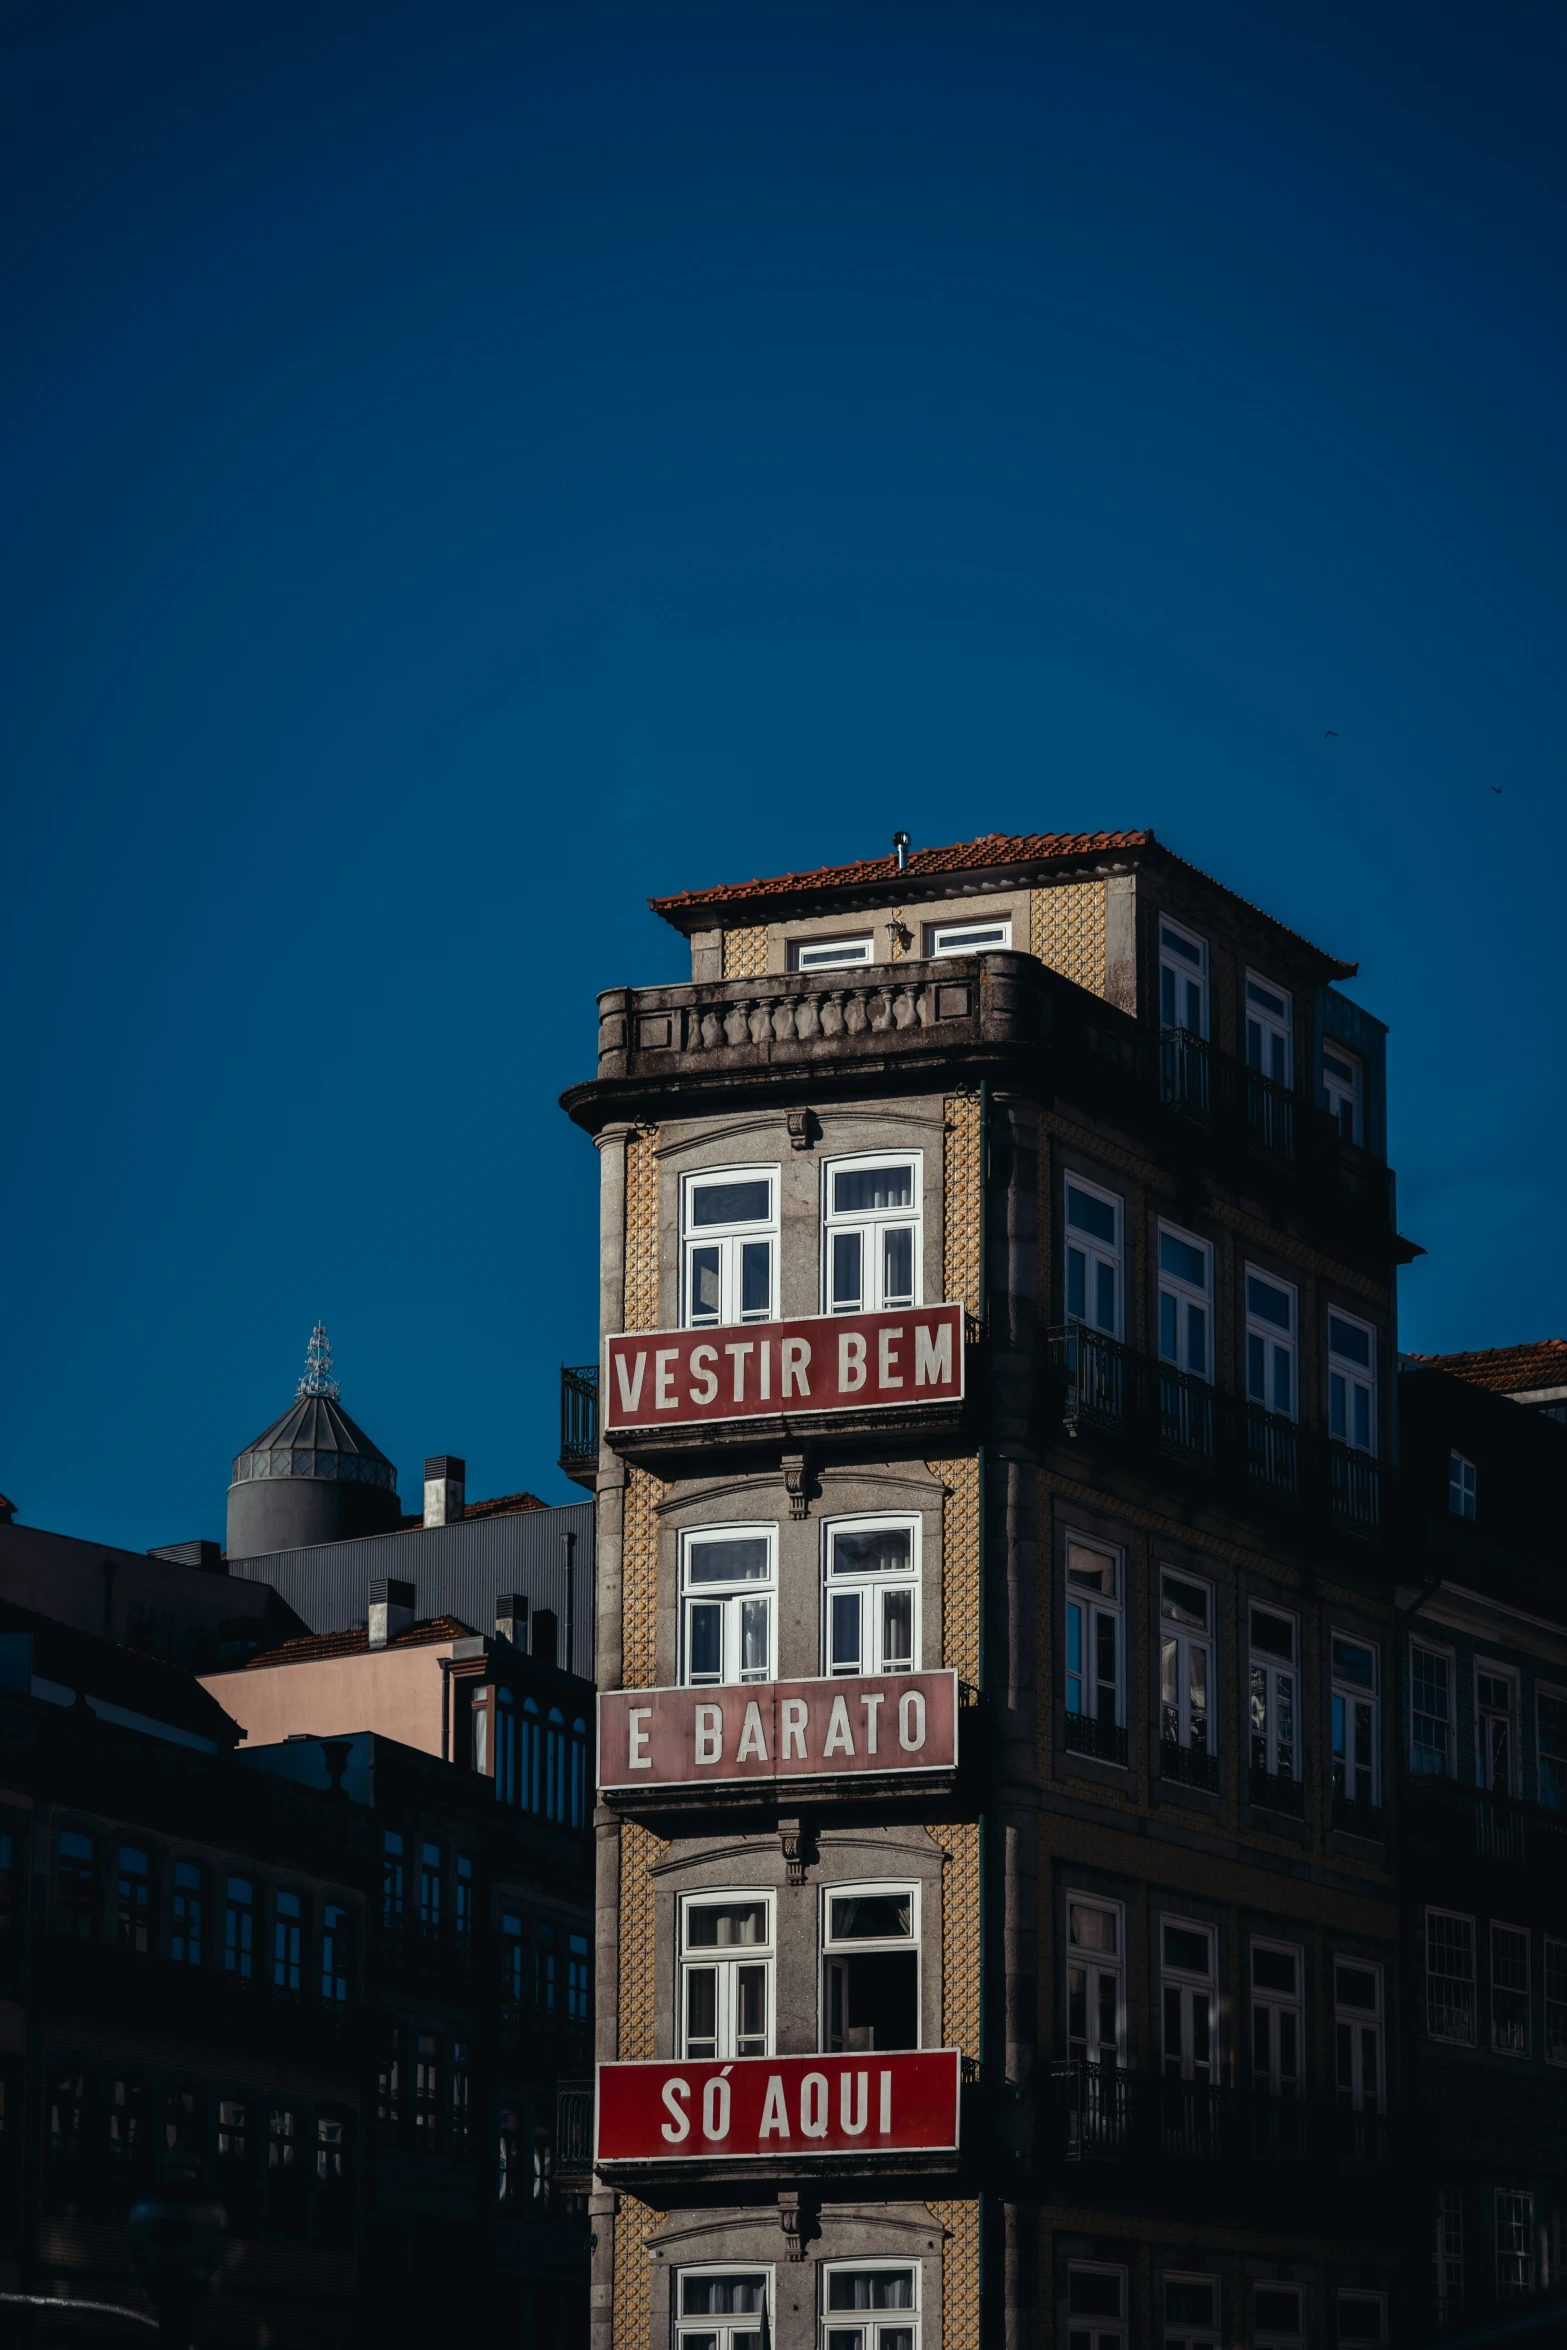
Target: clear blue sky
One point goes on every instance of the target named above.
(470, 467)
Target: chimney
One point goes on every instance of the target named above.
(208, 1556)
(391, 1609)
(511, 1619)
(544, 1635)
(445, 1479)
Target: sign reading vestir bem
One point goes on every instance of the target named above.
(778, 1730)
(759, 1370)
(794, 2106)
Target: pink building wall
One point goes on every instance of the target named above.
(395, 1691)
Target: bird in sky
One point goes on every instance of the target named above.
(1496, 787)
(1332, 730)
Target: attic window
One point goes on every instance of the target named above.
(834, 954)
(970, 938)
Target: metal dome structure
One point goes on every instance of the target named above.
(312, 1476)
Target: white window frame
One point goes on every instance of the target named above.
(833, 1947)
(1551, 1791)
(1270, 1025)
(872, 1224)
(1461, 1480)
(731, 1595)
(1275, 2337)
(1270, 1345)
(1185, 1299)
(1553, 1979)
(1188, 1986)
(1096, 1968)
(729, 1241)
(1447, 2253)
(1181, 967)
(1462, 2038)
(1180, 2333)
(1360, 2041)
(833, 954)
(1347, 1379)
(1181, 1645)
(1094, 1258)
(1354, 2293)
(1267, 2002)
(868, 1585)
(869, 2324)
(1513, 2287)
(1088, 2332)
(725, 1964)
(740, 2325)
(1089, 1607)
(1356, 1725)
(1511, 2046)
(1346, 1100)
(1446, 1721)
(1272, 1670)
(958, 938)
(1487, 1669)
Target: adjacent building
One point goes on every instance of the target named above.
(997, 1633)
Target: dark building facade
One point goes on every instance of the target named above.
(1136, 1917)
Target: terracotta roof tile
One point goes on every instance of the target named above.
(504, 1505)
(993, 848)
(1507, 1370)
(357, 1643)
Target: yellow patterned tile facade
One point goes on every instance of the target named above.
(639, 1581)
(960, 1968)
(960, 1566)
(1067, 931)
(745, 953)
(634, 2223)
(960, 1227)
(959, 2275)
(641, 1264)
(640, 1849)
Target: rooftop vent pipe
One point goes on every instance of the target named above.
(391, 1609)
(900, 851)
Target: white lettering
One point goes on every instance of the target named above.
(870, 1704)
(710, 1733)
(630, 1389)
(851, 1361)
(664, 1378)
(715, 2106)
(846, 2082)
(704, 1379)
(795, 1357)
(775, 2113)
(886, 1376)
(682, 2121)
(764, 1361)
(840, 1739)
(813, 2105)
(795, 1712)
(885, 2123)
(911, 1721)
(640, 1759)
(933, 1356)
(737, 1355)
(753, 1738)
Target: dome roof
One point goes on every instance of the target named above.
(315, 1437)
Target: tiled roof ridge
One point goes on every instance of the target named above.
(318, 1645)
(503, 1505)
(1503, 1367)
(990, 849)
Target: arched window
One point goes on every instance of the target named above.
(505, 1748)
(579, 1772)
(555, 1766)
(531, 1796)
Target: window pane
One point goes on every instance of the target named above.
(742, 1559)
(897, 1266)
(1267, 1303)
(756, 1277)
(704, 1283)
(754, 1642)
(1273, 1970)
(707, 1642)
(846, 1248)
(1351, 1662)
(731, 1203)
(1186, 1603)
(726, 1925)
(1274, 1635)
(857, 1190)
(1187, 1948)
(1090, 1214)
(858, 1917)
(870, 2288)
(845, 1631)
(1185, 1262)
(897, 1631)
(1104, 1311)
(1184, 947)
(1344, 1339)
(882, 1551)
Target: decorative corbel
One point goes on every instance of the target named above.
(794, 1837)
(797, 2218)
(797, 1483)
(803, 1129)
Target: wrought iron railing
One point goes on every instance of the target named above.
(1359, 1819)
(1275, 1791)
(579, 1419)
(573, 2125)
(1189, 1766)
(1442, 1814)
(1106, 2113)
(1104, 1741)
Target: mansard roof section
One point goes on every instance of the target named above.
(995, 860)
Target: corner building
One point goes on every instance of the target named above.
(996, 1917)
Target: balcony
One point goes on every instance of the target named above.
(1366, 1820)
(1158, 1414)
(1106, 2113)
(1275, 1791)
(1188, 1766)
(1100, 1741)
(1213, 1090)
(1443, 1819)
(579, 1423)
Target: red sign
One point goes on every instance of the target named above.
(903, 2102)
(778, 1730)
(831, 1363)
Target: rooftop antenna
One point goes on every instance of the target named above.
(900, 851)
(318, 1379)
